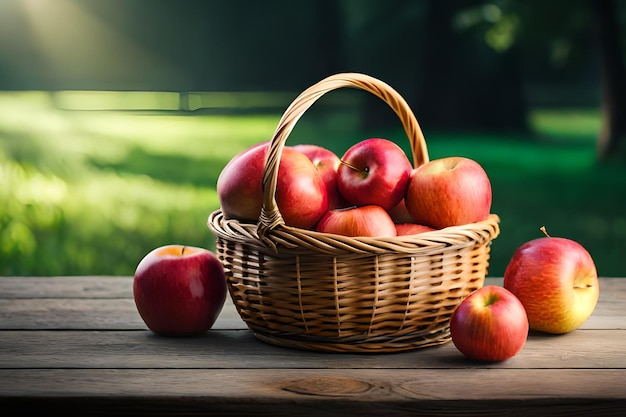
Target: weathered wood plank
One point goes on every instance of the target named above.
(287, 387)
(121, 287)
(121, 314)
(223, 349)
(77, 313)
(306, 407)
(66, 287)
(109, 305)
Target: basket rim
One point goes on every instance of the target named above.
(289, 237)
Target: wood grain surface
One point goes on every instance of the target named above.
(77, 346)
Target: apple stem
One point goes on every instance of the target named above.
(182, 252)
(351, 166)
(543, 229)
(583, 286)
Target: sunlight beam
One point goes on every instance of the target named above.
(75, 45)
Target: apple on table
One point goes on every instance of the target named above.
(556, 280)
(489, 325)
(179, 290)
(449, 191)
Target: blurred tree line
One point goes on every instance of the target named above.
(461, 64)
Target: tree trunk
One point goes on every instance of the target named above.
(388, 49)
(466, 84)
(613, 78)
(329, 36)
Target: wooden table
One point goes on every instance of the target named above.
(76, 345)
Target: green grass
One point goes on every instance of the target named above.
(91, 192)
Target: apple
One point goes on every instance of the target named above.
(301, 194)
(399, 213)
(327, 162)
(448, 191)
(179, 290)
(489, 325)
(556, 280)
(371, 220)
(403, 229)
(374, 171)
(239, 186)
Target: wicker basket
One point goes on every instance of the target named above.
(303, 289)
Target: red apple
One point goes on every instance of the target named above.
(374, 171)
(372, 221)
(239, 186)
(490, 324)
(300, 191)
(448, 192)
(556, 280)
(327, 162)
(179, 290)
(400, 214)
(403, 229)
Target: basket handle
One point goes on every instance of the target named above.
(270, 215)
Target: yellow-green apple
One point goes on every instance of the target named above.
(556, 280)
(371, 221)
(448, 191)
(327, 162)
(179, 290)
(489, 325)
(374, 171)
(301, 194)
(403, 229)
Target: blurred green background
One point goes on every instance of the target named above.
(117, 117)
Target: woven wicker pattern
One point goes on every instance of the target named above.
(310, 290)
